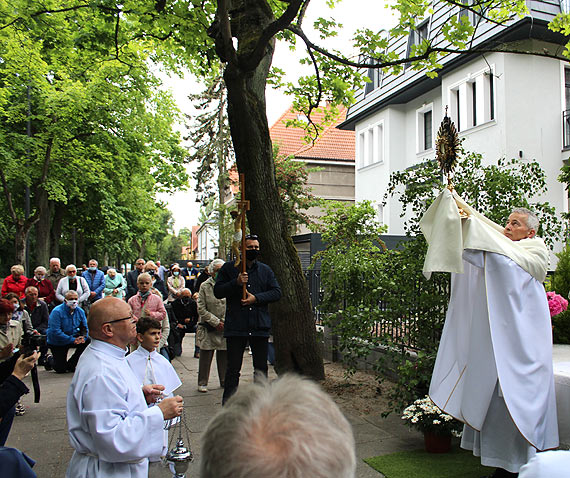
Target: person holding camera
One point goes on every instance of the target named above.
(12, 368)
(67, 329)
(14, 462)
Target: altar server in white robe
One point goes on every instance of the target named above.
(494, 364)
(111, 428)
(151, 368)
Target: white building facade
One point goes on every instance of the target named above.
(503, 105)
(207, 235)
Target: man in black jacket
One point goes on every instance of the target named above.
(247, 320)
(186, 312)
(132, 277)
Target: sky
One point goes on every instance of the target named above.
(353, 14)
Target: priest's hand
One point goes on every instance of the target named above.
(171, 407)
(152, 392)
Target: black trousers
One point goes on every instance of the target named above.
(236, 347)
(59, 352)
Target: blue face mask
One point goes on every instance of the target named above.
(92, 269)
(176, 273)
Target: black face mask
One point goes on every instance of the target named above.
(251, 254)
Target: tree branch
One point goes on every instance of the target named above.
(225, 33)
(269, 32)
(8, 196)
(424, 56)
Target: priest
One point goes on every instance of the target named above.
(111, 428)
(494, 364)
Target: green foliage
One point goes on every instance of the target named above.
(561, 278)
(561, 327)
(102, 140)
(296, 197)
(349, 268)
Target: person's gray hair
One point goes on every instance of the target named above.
(531, 219)
(40, 269)
(71, 292)
(289, 428)
(70, 266)
(111, 269)
(17, 269)
(30, 287)
(214, 263)
(94, 260)
(55, 259)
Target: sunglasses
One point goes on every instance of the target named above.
(251, 237)
(118, 320)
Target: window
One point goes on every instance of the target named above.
(424, 123)
(375, 76)
(418, 35)
(566, 113)
(472, 101)
(380, 214)
(371, 146)
(466, 15)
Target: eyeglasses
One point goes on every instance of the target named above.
(251, 237)
(118, 320)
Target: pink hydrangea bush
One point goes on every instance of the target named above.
(556, 303)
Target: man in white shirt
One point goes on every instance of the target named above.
(111, 428)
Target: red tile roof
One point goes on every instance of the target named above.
(332, 143)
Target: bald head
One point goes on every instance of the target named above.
(102, 313)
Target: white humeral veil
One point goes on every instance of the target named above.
(497, 326)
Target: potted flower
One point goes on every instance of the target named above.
(556, 303)
(437, 426)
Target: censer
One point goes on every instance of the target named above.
(179, 456)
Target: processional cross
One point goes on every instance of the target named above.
(238, 243)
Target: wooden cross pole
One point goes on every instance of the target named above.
(243, 206)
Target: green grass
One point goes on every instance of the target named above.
(419, 464)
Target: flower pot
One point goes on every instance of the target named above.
(436, 443)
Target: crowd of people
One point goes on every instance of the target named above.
(494, 359)
(124, 332)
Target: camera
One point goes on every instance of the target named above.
(31, 343)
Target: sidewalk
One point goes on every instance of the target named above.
(42, 431)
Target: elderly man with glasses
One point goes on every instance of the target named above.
(67, 329)
(111, 428)
(75, 283)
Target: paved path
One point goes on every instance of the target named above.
(42, 431)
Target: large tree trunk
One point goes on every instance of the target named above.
(56, 228)
(80, 249)
(293, 322)
(43, 227)
(22, 231)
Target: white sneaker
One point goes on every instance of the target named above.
(202, 388)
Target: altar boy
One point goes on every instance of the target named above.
(150, 367)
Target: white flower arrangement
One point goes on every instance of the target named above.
(424, 415)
